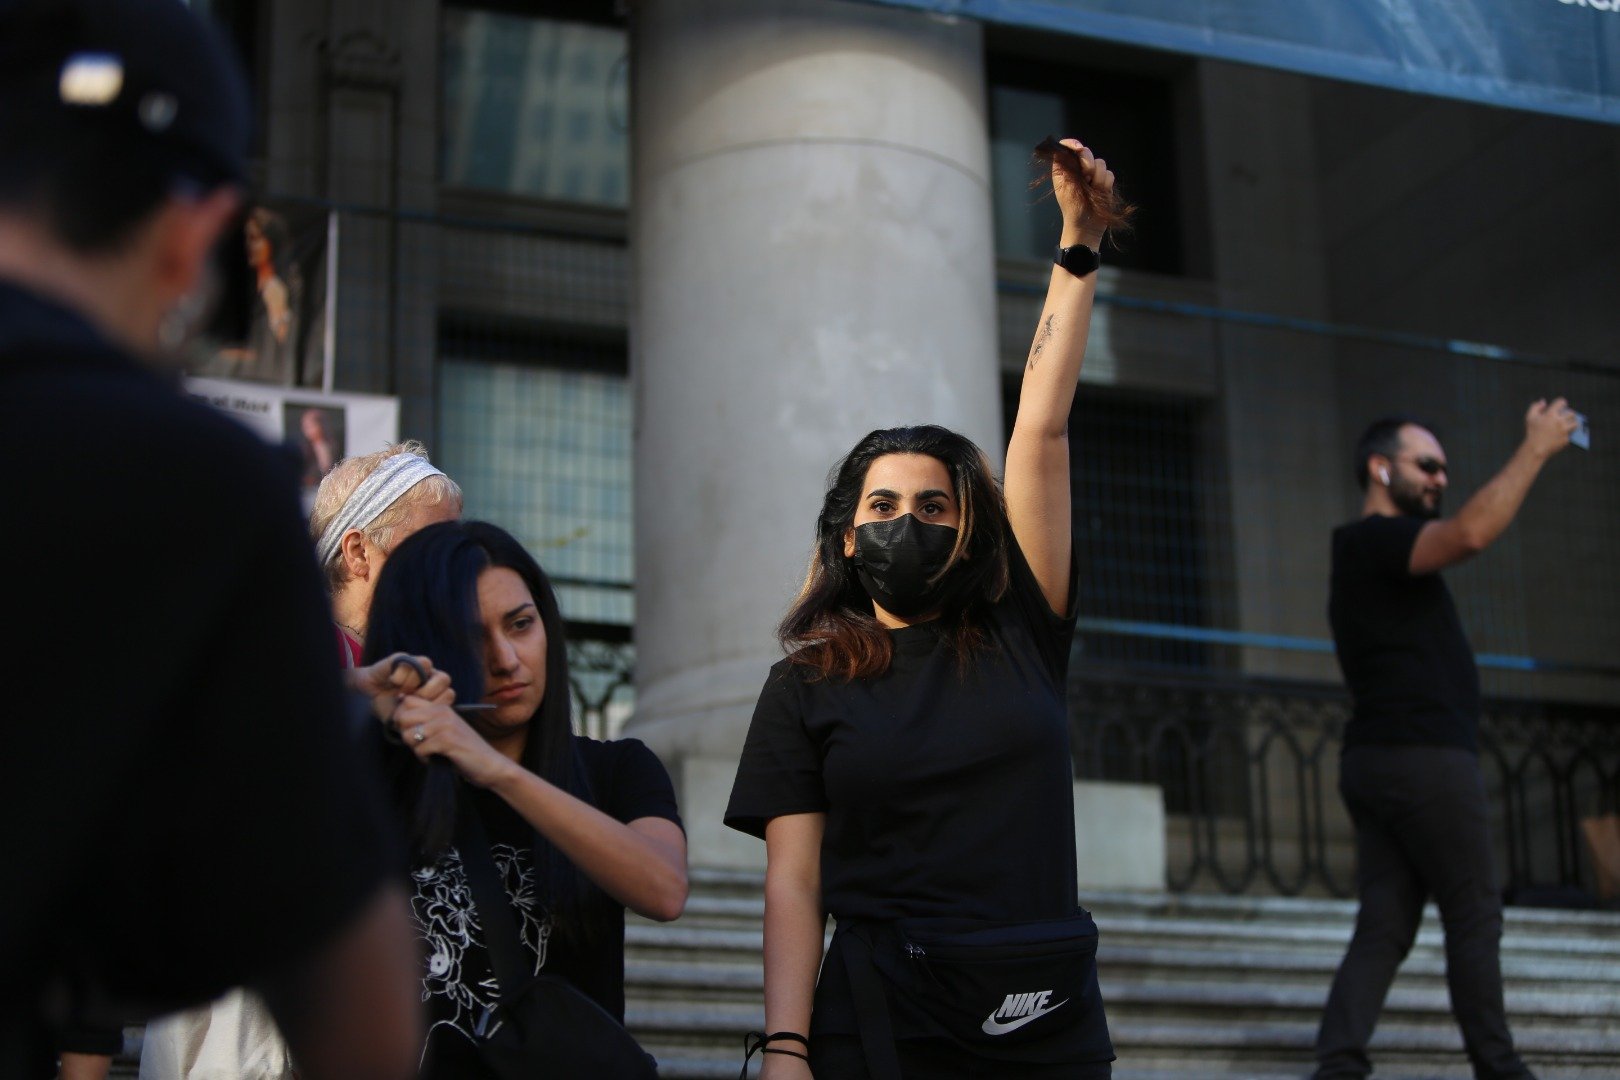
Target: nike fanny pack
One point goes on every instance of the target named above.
(1015, 992)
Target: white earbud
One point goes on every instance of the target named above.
(1383, 474)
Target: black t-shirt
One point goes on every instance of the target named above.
(1401, 646)
(946, 793)
(183, 808)
(627, 782)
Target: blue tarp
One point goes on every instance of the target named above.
(1553, 56)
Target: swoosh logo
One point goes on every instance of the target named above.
(992, 1026)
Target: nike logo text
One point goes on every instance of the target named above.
(1018, 1010)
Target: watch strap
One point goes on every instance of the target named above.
(1078, 260)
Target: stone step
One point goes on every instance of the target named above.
(1256, 1002)
(734, 990)
(1207, 1067)
(1316, 967)
(749, 884)
(1212, 1066)
(697, 1067)
(703, 1044)
(1255, 952)
(1277, 910)
(1393, 1040)
(1516, 939)
(1196, 986)
(737, 898)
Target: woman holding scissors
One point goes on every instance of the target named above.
(578, 830)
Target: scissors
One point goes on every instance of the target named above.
(469, 709)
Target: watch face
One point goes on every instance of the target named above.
(1078, 260)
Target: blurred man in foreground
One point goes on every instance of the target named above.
(183, 810)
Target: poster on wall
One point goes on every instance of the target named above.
(323, 428)
(272, 321)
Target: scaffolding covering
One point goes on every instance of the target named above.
(1551, 56)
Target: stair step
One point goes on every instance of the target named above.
(687, 1023)
(1315, 966)
(697, 1067)
(1390, 1038)
(663, 983)
(1196, 986)
(749, 885)
(1263, 1054)
(1524, 1007)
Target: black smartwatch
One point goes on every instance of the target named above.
(1078, 260)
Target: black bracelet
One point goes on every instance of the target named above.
(794, 1035)
(757, 1042)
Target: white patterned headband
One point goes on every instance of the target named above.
(376, 493)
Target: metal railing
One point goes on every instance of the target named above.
(601, 680)
(1249, 768)
(1551, 767)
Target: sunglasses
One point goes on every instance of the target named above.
(1430, 466)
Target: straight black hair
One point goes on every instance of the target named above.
(426, 603)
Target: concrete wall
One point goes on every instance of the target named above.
(1276, 390)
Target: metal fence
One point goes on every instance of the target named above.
(1248, 768)
(601, 681)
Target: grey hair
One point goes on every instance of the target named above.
(346, 475)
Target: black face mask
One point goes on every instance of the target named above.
(896, 559)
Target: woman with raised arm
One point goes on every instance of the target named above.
(511, 812)
(908, 763)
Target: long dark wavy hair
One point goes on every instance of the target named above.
(426, 603)
(830, 627)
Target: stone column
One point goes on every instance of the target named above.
(812, 258)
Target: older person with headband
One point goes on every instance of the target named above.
(365, 507)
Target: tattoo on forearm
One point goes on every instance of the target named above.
(1040, 341)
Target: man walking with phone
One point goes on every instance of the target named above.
(1410, 772)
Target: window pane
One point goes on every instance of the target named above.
(1018, 120)
(1150, 529)
(536, 107)
(545, 453)
(1130, 118)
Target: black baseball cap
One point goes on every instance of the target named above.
(152, 71)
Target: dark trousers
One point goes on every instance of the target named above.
(839, 1057)
(1421, 831)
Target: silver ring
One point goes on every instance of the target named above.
(417, 735)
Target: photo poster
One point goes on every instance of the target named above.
(272, 316)
(321, 428)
